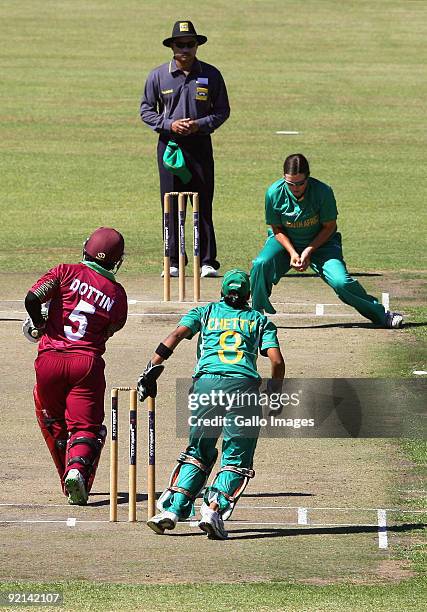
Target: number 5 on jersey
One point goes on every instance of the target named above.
(78, 316)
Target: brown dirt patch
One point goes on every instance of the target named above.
(290, 473)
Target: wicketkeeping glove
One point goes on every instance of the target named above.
(147, 382)
(274, 385)
(273, 391)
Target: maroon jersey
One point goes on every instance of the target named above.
(86, 307)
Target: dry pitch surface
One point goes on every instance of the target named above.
(356, 474)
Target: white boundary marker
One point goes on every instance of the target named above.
(302, 516)
(385, 300)
(382, 529)
(320, 310)
(287, 132)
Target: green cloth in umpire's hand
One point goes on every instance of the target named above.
(173, 160)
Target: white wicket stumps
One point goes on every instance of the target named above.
(114, 455)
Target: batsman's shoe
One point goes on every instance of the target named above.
(76, 488)
(173, 271)
(208, 271)
(163, 520)
(394, 320)
(212, 524)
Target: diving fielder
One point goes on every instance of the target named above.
(231, 334)
(86, 307)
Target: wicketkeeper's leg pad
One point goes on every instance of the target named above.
(191, 489)
(226, 494)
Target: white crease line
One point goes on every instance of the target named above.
(231, 523)
(21, 505)
(177, 303)
(132, 301)
(63, 521)
(240, 506)
(13, 312)
(301, 315)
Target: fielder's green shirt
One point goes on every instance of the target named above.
(229, 339)
(302, 220)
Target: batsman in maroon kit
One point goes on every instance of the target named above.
(86, 307)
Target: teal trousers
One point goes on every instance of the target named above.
(273, 262)
(238, 445)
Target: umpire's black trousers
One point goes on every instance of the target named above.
(198, 155)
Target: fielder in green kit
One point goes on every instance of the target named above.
(230, 336)
(302, 213)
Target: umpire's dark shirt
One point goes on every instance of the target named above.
(170, 95)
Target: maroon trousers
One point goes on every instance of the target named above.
(69, 399)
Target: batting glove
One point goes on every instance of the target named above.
(32, 332)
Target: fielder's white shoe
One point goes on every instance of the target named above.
(212, 524)
(394, 320)
(208, 271)
(173, 271)
(76, 488)
(163, 520)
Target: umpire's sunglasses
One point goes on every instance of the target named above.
(185, 45)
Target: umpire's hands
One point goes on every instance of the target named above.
(147, 382)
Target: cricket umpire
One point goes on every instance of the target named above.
(185, 100)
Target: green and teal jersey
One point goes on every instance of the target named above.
(301, 220)
(229, 339)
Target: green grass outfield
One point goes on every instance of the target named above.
(233, 597)
(74, 155)
(349, 76)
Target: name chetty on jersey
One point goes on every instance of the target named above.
(215, 323)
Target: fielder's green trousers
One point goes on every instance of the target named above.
(238, 445)
(273, 262)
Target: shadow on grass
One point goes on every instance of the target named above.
(314, 274)
(253, 534)
(260, 533)
(281, 494)
(123, 497)
(350, 326)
